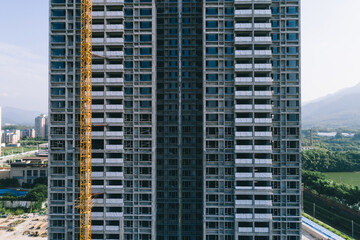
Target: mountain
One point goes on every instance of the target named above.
(338, 110)
(18, 116)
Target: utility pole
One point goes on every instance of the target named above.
(314, 210)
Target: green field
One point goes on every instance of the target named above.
(350, 178)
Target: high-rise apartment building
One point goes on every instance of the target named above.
(196, 118)
(41, 125)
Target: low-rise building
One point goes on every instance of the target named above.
(28, 169)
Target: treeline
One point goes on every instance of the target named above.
(323, 160)
(345, 194)
(37, 194)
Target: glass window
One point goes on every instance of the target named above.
(211, 11)
(58, 39)
(145, 64)
(145, 77)
(211, 63)
(145, 51)
(145, 11)
(211, 24)
(145, 24)
(211, 37)
(211, 50)
(145, 38)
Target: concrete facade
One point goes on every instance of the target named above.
(196, 120)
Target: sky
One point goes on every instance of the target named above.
(330, 50)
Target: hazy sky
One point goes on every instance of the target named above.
(330, 50)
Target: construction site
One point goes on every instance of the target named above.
(24, 227)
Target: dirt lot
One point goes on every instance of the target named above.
(24, 227)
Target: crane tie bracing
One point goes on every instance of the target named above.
(85, 201)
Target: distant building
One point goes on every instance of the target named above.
(28, 169)
(11, 136)
(0, 133)
(28, 133)
(41, 126)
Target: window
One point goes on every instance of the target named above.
(128, 25)
(211, 37)
(145, 64)
(145, 38)
(128, 12)
(145, 77)
(58, 26)
(145, 25)
(145, 51)
(145, 12)
(58, 39)
(211, 63)
(211, 11)
(211, 24)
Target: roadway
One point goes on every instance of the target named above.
(312, 230)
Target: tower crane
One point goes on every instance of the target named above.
(85, 201)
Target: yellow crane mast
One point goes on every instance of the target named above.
(85, 201)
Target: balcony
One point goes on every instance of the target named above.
(114, 147)
(243, 175)
(97, 160)
(112, 228)
(243, 93)
(98, 40)
(98, 66)
(97, 80)
(243, 39)
(114, 120)
(114, 134)
(263, 39)
(243, 215)
(263, 120)
(243, 120)
(115, 14)
(243, 161)
(114, 160)
(263, 147)
(97, 107)
(97, 93)
(262, 25)
(115, 93)
(114, 80)
(97, 120)
(263, 161)
(97, 134)
(263, 79)
(243, 52)
(263, 134)
(97, 27)
(243, 66)
(97, 174)
(115, 66)
(243, 134)
(97, 228)
(114, 53)
(116, 26)
(114, 214)
(115, 40)
(244, 147)
(243, 202)
(97, 214)
(263, 175)
(115, 201)
(263, 107)
(263, 216)
(243, 26)
(243, 12)
(261, 229)
(263, 52)
(263, 202)
(262, 12)
(243, 106)
(245, 229)
(243, 79)
(263, 66)
(263, 93)
(114, 174)
(114, 106)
